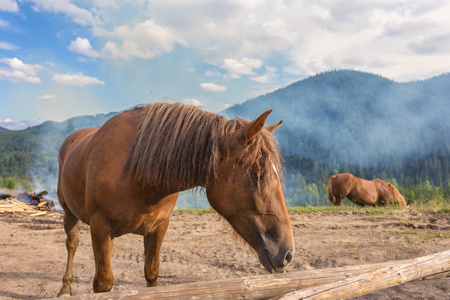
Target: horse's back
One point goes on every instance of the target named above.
(359, 191)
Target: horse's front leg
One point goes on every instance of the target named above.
(71, 229)
(152, 245)
(102, 243)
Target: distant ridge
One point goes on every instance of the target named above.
(334, 122)
(359, 122)
(3, 129)
(72, 124)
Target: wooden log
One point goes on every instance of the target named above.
(256, 287)
(12, 205)
(40, 213)
(376, 280)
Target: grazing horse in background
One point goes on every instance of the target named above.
(124, 177)
(363, 192)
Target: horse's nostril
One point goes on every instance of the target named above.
(289, 257)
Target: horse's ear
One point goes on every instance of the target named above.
(256, 125)
(272, 128)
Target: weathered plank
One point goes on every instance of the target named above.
(257, 287)
(389, 276)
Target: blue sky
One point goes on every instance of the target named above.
(63, 58)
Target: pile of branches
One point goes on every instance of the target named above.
(33, 203)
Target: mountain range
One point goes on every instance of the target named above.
(338, 121)
(348, 121)
(348, 117)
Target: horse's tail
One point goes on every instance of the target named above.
(330, 189)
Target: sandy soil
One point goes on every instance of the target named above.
(201, 247)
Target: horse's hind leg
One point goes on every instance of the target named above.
(71, 229)
(152, 245)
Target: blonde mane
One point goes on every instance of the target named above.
(179, 146)
(398, 198)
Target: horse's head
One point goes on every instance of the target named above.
(398, 198)
(247, 192)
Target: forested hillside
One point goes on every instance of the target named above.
(28, 158)
(347, 121)
(334, 122)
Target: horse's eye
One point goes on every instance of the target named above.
(255, 177)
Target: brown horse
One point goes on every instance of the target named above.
(363, 192)
(124, 177)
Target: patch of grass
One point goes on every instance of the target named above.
(369, 210)
(351, 246)
(421, 235)
(196, 211)
(356, 254)
(443, 206)
(326, 209)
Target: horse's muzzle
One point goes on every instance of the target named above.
(276, 263)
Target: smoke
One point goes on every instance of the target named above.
(44, 170)
(46, 142)
(334, 119)
(348, 117)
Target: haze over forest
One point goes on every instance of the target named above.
(334, 122)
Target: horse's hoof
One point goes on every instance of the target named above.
(64, 295)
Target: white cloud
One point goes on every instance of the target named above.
(145, 40)
(3, 23)
(105, 3)
(270, 75)
(7, 46)
(83, 46)
(17, 125)
(192, 101)
(19, 71)
(244, 66)
(212, 73)
(8, 5)
(212, 87)
(397, 39)
(306, 37)
(231, 28)
(47, 97)
(75, 80)
(79, 15)
(17, 64)
(432, 45)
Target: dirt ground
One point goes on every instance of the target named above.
(202, 247)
